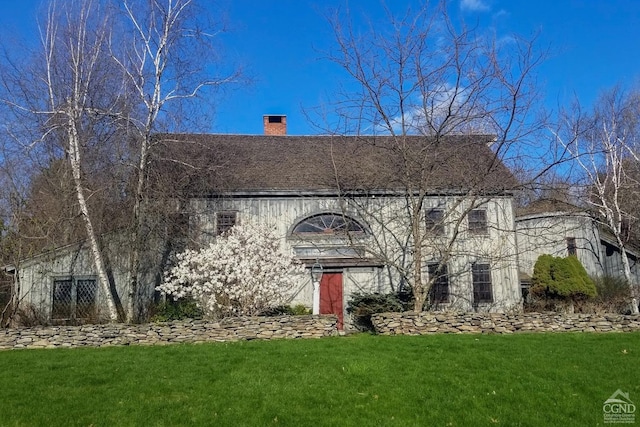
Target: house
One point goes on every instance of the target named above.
(361, 208)
(561, 229)
(343, 201)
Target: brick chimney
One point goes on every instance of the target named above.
(274, 125)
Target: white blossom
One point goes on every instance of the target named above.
(242, 273)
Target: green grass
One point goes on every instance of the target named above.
(361, 380)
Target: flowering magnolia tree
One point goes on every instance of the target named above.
(242, 273)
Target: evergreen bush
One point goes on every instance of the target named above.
(559, 278)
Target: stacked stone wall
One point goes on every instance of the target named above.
(192, 331)
(291, 327)
(411, 323)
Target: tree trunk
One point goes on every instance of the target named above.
(74, 160)
(419, 292)
(136, 244)
(629, 278)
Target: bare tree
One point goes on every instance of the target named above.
(421, 74)
(73, 47)
(107, 77)
(167, 60)
(604, 143)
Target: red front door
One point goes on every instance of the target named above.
(331, 296)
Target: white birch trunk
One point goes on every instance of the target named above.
(82, 57)
(96, 253)
(601, 150)
(154, 36)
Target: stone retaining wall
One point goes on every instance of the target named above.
(193, 331)
(237, 329)
(411, 323)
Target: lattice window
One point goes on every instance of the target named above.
(86, 292)
(62, 299)
(74, 299)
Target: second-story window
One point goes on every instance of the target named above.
(478, 221)
(435, 221)
(328, 224)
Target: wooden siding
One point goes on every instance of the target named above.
(496, 247)
(612, 262)
(36, 275)
(547, 234)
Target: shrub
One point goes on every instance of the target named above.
(176, 310)
(563, 279)
(29, 315)
(362, 305)
(296, 310)
(613, 295)
(243, 273)
(542, 270)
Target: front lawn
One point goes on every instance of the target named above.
(360, 380)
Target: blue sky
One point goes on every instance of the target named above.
(594, 46)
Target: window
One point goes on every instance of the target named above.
(225, 221)
(74, 299)
(571, 246)
(478, 221)
(482, 291)
(610, 250)
(434, 219)
(328, 224)
(439, 292)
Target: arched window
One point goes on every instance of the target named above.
(324, 224)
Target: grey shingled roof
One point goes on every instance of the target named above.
(207, 164)
(549, 206)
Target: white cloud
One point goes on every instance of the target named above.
(474, 5)
(447, 109)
